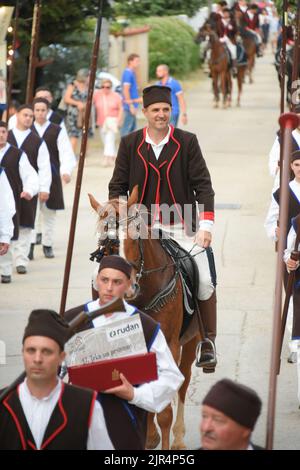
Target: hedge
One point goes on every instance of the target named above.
(171, 42)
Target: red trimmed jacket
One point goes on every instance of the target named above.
(178, 179)
(67, 429)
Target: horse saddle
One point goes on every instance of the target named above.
(241, 55)
(188, 271)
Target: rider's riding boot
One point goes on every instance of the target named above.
(234, 68)
(208, 311)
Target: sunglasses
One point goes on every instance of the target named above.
(108, 87)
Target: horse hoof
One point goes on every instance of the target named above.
(178, 446)
(238, 105)
(153, 441)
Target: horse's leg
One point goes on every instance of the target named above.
(215, 89)
(187, 358)
(229, 82)
(153, 437)
(251, 67)
(239, 84)
(223, 88)
(164, 420)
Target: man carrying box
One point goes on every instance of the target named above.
(44, 413)
(125, 407)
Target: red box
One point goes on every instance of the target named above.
(102, 375)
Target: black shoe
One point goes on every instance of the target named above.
(48, 252)
(207, 359)
(21, 269)
(5, 279)
(31, 251)
(38, 240)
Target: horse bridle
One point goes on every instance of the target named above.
(111, 244)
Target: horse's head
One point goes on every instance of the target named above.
(120, 228)
(204, 32)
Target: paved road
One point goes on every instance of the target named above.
(235, 143)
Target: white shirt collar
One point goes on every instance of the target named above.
(162, 142)
(55, 391)
(16, 130)
(102, 319)
(42, 127)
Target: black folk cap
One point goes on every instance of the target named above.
(156, 94)
(47, 323)
(116, 262)
(238, 402)
(295, 155)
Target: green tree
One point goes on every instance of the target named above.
(135, 8)
(66, 35)
(171, 41)
(60, 19)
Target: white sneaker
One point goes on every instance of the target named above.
(292, 359)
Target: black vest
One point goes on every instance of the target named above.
(296, 289)
(126, 423)
(10, 162)
(30, 146)
(56, 200)
(56, 118)
(294, 206)
(67, 429)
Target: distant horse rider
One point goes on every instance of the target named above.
(226, 29)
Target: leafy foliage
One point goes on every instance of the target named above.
(171, 42)
(136, 8)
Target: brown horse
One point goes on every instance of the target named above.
(154, 269)
(219, 64)
(248, 43)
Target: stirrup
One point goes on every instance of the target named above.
(209, 362)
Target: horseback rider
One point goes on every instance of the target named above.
(252, 26)
(171, 173)
(227, 31)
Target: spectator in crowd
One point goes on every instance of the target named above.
(130, 94)
(109, 112)
(75, 98)
(178, 101)
(264, 21)
(274, 29)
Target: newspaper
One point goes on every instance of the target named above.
(117, 339)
